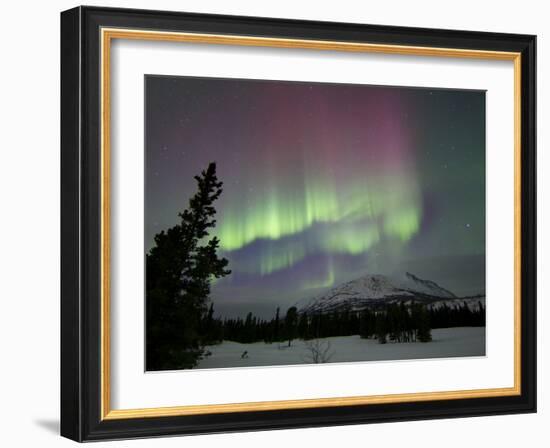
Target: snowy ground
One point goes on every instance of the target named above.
(447, 342)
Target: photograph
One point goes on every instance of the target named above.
(293, 223)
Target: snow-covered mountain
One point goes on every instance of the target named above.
(410, 282)
(371, 291)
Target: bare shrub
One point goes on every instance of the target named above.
(319, 351)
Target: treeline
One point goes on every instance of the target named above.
(253, 329)
(398, 323)
(462, 316)
(395, 323)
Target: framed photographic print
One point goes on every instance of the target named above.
(275, 224)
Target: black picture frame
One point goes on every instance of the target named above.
(81, 381)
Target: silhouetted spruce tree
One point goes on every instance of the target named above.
(249, 324)
(367, 323)
(422, 320)
(276, 325)
(291, 324)
(179, 269)
(209, 326)
(303, 326)
(381, 327)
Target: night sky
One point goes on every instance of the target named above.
(323, 183)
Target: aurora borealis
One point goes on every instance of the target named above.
(322, 182)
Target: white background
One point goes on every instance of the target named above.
(29, 160)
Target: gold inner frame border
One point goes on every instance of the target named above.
(107, 36)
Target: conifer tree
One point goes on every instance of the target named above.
(179, 269)
(276, 325)
(423, 331)
(303, 326)
(291, 324)
(208, 327)
(381, 327)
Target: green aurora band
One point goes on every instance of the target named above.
(320, 219)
